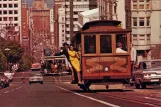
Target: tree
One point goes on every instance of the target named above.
(26, 62)
(15, 53)
(3, 61)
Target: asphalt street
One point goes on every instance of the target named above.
(58, 92)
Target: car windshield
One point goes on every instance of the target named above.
(150, 64)
(36, 75)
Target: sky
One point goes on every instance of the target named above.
(49, 2)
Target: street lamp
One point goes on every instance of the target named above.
(7, 50)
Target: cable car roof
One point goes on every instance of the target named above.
(100, 26)
(100, 23)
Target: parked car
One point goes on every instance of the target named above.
(36, 78)
(149, 73)
(4, 81)
(9, 75)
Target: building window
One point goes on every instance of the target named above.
(15, 12)
(141, 6)
(135, 37)
(147, 6)
(0, 18)
(15, 5)
(148, 37)
(4, 5)
(4, 12)
(134, 1)
(4, 18)
(15, 18)
(141, 21)
(148, 21)
(141, 0)
(134, 21)
(10, 5)
(135, 6)
(10, 18)
(10, 12)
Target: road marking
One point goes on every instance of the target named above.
(151, 105)
(153, 98)
(6, 92)
(13, 90)
(93, 99)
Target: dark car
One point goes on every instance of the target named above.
(4, 81)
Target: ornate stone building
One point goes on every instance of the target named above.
(41, 35)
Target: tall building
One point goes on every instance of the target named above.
(72, 8)
(146, 27)
(115, 10)
(25, 28)
(61, 21)
(41, 35)
(57, 4)
(10, 18)
(52, 25)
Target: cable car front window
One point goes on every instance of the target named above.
(105, 44)
(90, 44)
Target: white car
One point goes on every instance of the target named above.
(149, 72)
(36, 78)
(9, 75)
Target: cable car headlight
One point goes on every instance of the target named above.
(106, 68)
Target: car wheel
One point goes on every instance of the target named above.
(30, 83)
(137, 86)
(2, 85)
(41, 82)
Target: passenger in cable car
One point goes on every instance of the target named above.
(119, 48)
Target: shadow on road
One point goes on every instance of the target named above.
(95, 91)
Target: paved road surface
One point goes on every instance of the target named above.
(54, 93)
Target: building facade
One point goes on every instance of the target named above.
(115, 10)
(72, 8)
(86, 16)
(57, 4)
(146, 27)
(25, 28)
(61, 21)
(52, 25)
(41, 35)
(10, 19)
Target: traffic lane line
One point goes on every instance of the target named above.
(8, 91)
(93, 99)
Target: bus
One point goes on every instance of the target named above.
(105, 54)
